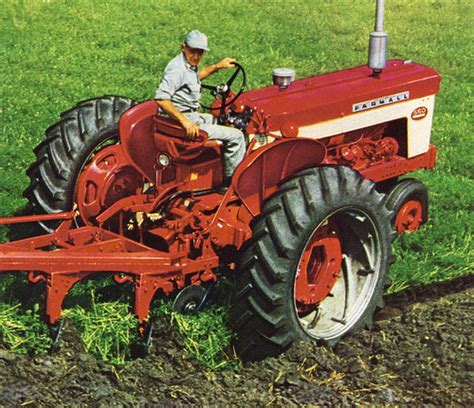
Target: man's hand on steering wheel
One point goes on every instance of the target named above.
(226, 63)
(223, 92)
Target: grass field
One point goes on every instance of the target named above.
(55, 53)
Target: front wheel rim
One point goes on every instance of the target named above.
(356, 283)
(409, 217)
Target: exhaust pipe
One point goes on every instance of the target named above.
(378, 42)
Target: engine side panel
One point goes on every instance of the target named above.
(418, 129)
(350, 99)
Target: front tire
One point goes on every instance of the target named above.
(316, 265)
(408, 201)
(62, 155)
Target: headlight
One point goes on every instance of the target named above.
(163, 160)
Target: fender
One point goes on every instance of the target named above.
(143, 136)
(136, 138)
(260, 173)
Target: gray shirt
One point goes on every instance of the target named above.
(180, 84)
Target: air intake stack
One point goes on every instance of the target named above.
(378, 42)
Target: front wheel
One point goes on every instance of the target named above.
(408, 201)
(316, 266)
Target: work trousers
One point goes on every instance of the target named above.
(232, 138)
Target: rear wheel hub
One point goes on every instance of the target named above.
(105, 180)
(318, 269)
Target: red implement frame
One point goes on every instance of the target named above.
(66, 256)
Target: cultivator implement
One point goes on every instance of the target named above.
(69, 255)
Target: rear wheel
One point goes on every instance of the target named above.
(70, 143)
(408, 199)
(317, 263)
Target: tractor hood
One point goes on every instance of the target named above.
(339, 94)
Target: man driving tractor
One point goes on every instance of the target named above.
(179, 94)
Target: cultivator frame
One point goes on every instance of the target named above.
(69, 255)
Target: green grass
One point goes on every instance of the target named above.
(23, 331)
(55, 53)
(205, 336)
(107, 329)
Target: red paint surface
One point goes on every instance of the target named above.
(319, 267)
(205, 224)
(258, 176)
(331, 96)
(410, 217)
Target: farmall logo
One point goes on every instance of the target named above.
(419, 113)
(384, 100)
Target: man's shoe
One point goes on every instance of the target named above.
(222, 189)
(225, 185)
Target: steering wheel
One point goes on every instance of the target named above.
(224, 92)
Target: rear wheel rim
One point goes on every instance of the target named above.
(410, 216)
(106, 178)
(353, 285)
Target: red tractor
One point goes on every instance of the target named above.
(306, 226)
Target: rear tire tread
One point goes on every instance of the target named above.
(61, 156)
(264, 280)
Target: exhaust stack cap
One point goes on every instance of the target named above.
(283, 77)
(378, 41)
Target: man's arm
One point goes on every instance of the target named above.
(223, 64)
(171, 82)
(192, 130)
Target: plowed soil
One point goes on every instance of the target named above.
(419, 352)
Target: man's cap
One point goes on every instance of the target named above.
(196, 39)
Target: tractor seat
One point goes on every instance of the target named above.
(171, 138)
(172, 128)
